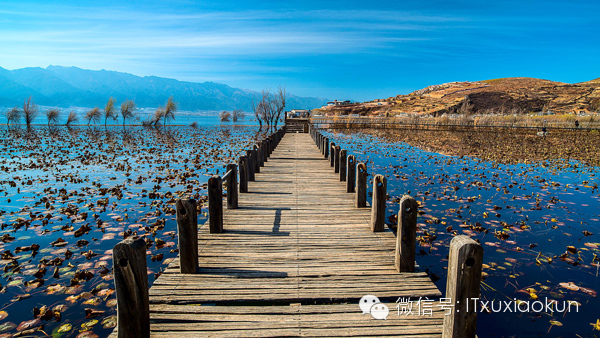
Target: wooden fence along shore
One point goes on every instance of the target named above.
(341, 122)
(292, 255)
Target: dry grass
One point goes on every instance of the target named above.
(507, 146)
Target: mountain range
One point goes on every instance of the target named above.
(71, 86)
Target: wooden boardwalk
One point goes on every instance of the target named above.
(293, 261)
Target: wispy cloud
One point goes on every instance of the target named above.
(247, 43)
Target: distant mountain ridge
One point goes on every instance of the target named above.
(72, 86)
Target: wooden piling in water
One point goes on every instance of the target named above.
(256, 159)
(406, 238)
(263, 152)
(336, 160)
(187, 233)
(351, 173)
(250, 165)
(131, 286)
(378, 205)
(361, 185)
(464, 278)
(243, 166)
(331, 154)
(261, 157)
(232, 187)
(343, 163)
(215, 204)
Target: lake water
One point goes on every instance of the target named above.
(538, 225)
(76, 192)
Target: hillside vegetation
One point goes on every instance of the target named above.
(497, 96)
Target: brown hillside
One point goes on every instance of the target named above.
(518, 95)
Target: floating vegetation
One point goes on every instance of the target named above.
(70, 194)
(533, 207)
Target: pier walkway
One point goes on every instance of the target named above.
(292, 261)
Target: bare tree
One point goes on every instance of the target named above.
(109, 110)
(170, 109)
(127, 109)
(270, 107)
(72, 118)
(93, 115)
(256, 108)
(30, 111)
(238, 114)
(52, 116)
(12, 116)
(224, 116)
(278, 105)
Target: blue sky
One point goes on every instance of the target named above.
(357, 50)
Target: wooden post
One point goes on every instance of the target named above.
(351, 173)
(378, 205)
(263, 148)
(131, 286)
(336, 160)
(215, 204)
(256, 159)
(232, 187)
(187, 231)
(261, 154)
(342, 162)
(331, 154)
(243, 174)
(361, 185)
(406, 237)
(326, 148)
(464, 276)
(250, 165)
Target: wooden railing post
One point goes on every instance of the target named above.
(256, 159)
(462, 287)
(321, 142)
(215, 204)
(406, 235)
(131, 286)
(250, 165)
(361, 185)
(351, 173)
(342, 162)
(232, 187)
(263, 148)
(243, 174)
(331, 154)
(336, 160)
(187, 233)
(378, 205)
(326, 147)
(261, 157)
